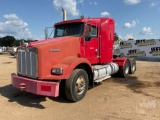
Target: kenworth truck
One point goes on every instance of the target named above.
(80, 54)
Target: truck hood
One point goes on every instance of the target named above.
(51, 40)
(53, 51)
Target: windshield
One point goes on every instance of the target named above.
(72, 29)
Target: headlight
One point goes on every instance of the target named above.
(57, 71)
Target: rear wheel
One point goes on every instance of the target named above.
(132, 66)
(124, 70)
(77, 85)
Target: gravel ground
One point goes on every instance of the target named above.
(136, 98)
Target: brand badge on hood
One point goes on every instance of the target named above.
(54, 50)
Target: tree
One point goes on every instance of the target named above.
(16, 43)
(116, 37)
(11, 41)
(7, 41)
(130, 39)
(0, 41)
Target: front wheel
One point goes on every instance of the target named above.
(77, 85)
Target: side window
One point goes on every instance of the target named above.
(92, 30)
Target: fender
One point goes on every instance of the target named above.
(68, 65)
(72, 62)
(120, 61)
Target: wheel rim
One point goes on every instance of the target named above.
(133, 68)
(127, 70)
(80, 85)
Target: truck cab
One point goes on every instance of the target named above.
(79, 54)
(96, 37)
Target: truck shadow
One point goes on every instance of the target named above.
(136, 85)
(22, 98)
(32, 100)
(25, 98)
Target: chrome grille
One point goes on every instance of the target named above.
(27, 62)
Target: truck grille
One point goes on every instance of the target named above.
(27, 62)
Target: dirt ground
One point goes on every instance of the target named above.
(136, 98)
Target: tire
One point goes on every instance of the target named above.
(15, 54)
(124, 70)
(121, 55)
(77, 85)
(132, 68)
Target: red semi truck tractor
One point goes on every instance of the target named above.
(79, 55)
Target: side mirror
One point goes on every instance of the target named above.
(90, 29)
(46, 33)
(49, 31)
(88, 34)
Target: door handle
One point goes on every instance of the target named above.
(96, 51)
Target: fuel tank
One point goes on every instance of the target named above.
(102, 72)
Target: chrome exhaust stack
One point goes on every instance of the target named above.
(64, 14)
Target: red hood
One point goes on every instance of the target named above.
(68, 46)
(51, 40)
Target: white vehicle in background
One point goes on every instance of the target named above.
(14, 52)
(1, 50)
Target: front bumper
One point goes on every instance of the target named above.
(36, 87)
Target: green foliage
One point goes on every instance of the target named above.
(130, 39)
(7, 41)
(11, 41)
(116, 37)
(16, 43)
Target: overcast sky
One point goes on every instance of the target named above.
(23, 19)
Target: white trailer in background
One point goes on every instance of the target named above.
(2, 49)
(139, 49)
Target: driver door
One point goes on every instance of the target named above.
(92, 42)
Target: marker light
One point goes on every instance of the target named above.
(57, 71)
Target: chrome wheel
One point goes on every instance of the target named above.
(127, 70)
(134, 68)
(80, 85)
(77, 85)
